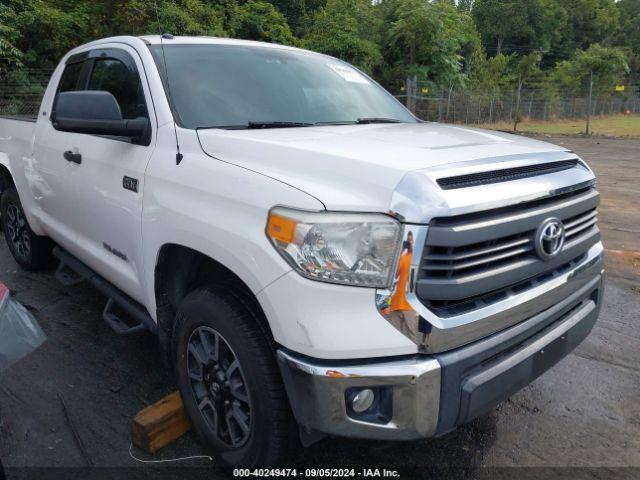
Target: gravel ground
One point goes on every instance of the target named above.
(582, 413)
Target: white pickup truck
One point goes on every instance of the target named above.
(313, 259)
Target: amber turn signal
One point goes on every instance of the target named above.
(281, 228)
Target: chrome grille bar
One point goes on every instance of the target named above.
(581, 224)
(452, 266)
(478, 251)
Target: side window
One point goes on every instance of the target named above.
(70, 78)
(122, 82)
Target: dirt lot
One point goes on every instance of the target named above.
(583, 413)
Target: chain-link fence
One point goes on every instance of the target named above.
(21, 90)
(448, 105)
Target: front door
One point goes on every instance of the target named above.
(111, 175)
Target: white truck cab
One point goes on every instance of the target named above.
(313, 258)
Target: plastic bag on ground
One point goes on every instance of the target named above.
(20, 333)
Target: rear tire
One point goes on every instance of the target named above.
(32, 252)
(226, 368)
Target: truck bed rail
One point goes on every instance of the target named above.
(21, 118)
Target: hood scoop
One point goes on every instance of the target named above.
(504, 175)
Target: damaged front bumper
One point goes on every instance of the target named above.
(428, 395)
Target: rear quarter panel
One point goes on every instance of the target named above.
(16, 154)
(16, 139)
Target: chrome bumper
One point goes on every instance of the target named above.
(429, 395)
(317, 392)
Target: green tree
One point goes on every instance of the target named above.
(259, 20)
(430, 39)
(607, 65)
(178, 17)
(49, 29)
(525, 70)
(567, 77)
(488, 73)
(628, 33)
(465, 5)
(336, 31)
(299, 13)
(587, 22)
(598, 69)
(10, 55)
(519, 26)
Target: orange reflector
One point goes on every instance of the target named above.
(335, 374)
(281, 228)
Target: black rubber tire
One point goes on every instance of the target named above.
(274, 432)
(40, 254)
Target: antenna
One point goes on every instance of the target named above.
(163, 37)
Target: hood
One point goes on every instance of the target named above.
(357, 167)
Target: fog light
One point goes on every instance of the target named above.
(363, 400)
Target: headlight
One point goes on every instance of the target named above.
(346, 248)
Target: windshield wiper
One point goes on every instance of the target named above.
(259, 125)
(362, 121)
(278, 124)
(335, 122)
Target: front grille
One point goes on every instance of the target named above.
(470, 261)
(504, 175)
(453, 262)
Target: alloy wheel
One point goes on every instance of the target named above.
(219, 386)
(18, 231)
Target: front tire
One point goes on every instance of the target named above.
(229, 380)
(32, 252)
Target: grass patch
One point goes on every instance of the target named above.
(627, 126)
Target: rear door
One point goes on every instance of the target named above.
(49, 175)
(111, 176)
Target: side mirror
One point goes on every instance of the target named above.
(97, 113)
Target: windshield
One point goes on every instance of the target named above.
(237, 86)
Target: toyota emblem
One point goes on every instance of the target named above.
(549, 238)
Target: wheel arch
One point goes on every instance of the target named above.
(6, 178)
(180, 270)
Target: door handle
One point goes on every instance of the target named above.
(69, 156)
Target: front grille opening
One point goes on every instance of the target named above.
(447, 308)
(505, 175)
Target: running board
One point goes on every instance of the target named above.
(72, 271)
(118, 324)
(66, 276)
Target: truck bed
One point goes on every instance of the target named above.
(16, 133)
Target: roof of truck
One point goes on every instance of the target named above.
(194, 40)
(180, 40)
